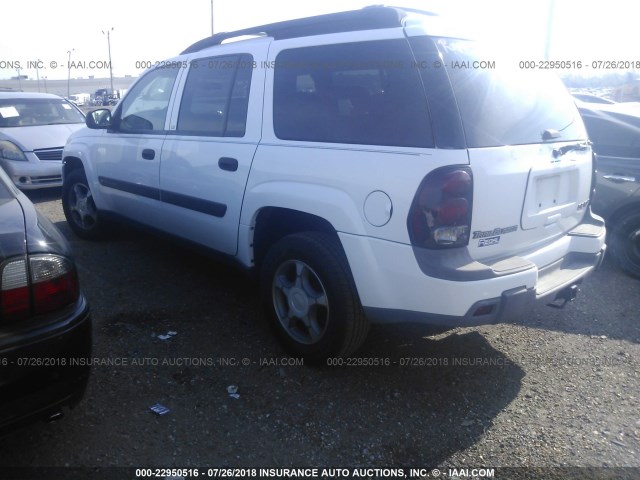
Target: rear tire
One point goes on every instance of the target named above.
(80, 210)
(310, 297)
(625, 244)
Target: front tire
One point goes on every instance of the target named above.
(80, 210)
(625, 243)
(310, 297)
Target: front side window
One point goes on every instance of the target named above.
(33, 112)
(216, 97)
(359, 93)
(145, 108)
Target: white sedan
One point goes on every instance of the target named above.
(34, 128)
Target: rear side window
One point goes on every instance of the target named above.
(216, 97)
(360, 93)
(503, 106)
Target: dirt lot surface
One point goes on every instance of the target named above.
(559, 388)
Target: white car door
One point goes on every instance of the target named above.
(127, 157)
(207, 155)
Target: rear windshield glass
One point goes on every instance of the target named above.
(30, 112)
(501, 105)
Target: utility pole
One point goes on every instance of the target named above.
(211, 17)
(107, 33)
(69, 76)
(547, 47)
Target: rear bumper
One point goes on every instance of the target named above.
(41, 372)
(469, 294)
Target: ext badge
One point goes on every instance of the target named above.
(492, 237)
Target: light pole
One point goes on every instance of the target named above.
(107, 33)
(69, 76)
(38, 75)
(19, 79)
(547, 45)
(45, 84)
(212, 18)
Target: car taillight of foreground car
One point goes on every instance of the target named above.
(36, 285)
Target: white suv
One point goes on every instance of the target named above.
(368, 165)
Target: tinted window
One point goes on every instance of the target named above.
(613, 134)
(145, 107)
(504, 106)
(364, 93)
(216, 97)
(30, 112)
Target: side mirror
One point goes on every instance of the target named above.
(99, 119)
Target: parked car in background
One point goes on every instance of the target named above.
(106, 96)
(80, 99)
(34, 128)
(360, 184)
(615, 133)
(45, 324)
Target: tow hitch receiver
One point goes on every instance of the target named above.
(565, 296)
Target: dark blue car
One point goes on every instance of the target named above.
(45, 325)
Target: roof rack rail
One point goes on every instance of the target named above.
(367, 18)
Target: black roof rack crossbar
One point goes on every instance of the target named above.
(368, 18)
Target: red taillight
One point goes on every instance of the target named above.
(14, 290)
(54, 283)
(452, 211)
(15, 303)
(49, 284)
(440, 215)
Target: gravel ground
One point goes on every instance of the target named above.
(558, 388)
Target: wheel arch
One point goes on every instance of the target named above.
(70, 163)
(274, 223)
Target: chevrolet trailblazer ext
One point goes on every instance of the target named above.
(362, 176)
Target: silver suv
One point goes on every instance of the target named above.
(368, 165)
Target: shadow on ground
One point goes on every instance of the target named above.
(407, 400)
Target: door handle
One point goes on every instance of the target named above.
(228, 163)
(619, 178)
(148, 154)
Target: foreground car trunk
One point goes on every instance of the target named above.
(45, 325)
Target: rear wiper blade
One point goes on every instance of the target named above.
(558, 152)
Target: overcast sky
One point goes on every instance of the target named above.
(153, 30)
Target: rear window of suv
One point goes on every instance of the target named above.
(358, 93)
(504, 106)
